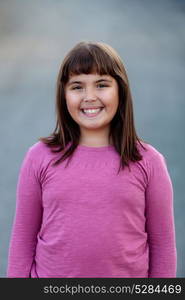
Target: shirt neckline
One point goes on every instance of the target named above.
(95, 149)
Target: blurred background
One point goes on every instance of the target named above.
(34, 38)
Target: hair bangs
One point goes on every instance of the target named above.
(87, 61)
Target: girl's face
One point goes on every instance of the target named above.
(92, 100)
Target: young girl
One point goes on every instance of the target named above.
(93, 200)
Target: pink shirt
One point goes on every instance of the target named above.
(87, 221)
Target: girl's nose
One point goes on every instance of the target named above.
(90, 95)
(89, 98)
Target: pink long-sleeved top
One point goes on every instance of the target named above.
(86, 221)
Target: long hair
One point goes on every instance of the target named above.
(100, 58)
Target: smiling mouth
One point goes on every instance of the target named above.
(92, 112)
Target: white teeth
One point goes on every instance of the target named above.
(91, 111)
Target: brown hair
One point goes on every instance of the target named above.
(86, 58)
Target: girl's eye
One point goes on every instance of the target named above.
(76, 87)
(102, 85)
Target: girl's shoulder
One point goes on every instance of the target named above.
(151, 156)
(38, 149)
(150, 152)
(39, 153)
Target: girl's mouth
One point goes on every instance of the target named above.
(92, 112)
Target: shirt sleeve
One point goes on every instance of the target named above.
(27, 221)
(160, 220)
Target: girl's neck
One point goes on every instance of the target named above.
(95, 142)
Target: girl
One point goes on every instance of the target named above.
(93, 200)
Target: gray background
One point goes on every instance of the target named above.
(35, 36)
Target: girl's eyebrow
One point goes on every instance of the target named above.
(97, 81)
